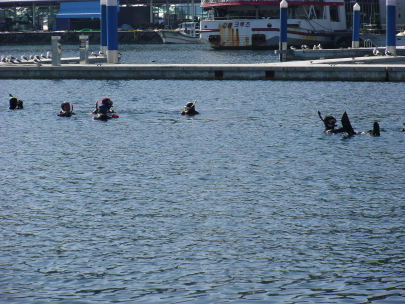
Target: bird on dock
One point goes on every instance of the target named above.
(48, 55)
(17, 60)
(293, 48)
(101, 53)
(36, 60)
(94, 54)
(387, 53)
(3, 59)
(304, 47)
(37, 57)
(23, 57)
(376, 52)
(43, 56)
(31, 57)
(319, 47)
(315, 47)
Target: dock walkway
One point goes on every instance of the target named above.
(376, 68)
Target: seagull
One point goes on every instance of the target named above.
(119, 53)
(37, 57)
(293, 48)
(17, 60)
(387, 53)
(101, 53)
(94, 54)
(304, 47)
(31, 57)
(48, 55)
(376, 52)
(319, 47)
(23, 57)
(43, 56)
(36, 60)
(315, 47)
(3, 59)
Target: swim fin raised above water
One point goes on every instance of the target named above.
(346, 124)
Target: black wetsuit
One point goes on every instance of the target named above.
(65, 113)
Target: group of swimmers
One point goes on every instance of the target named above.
(103, 112)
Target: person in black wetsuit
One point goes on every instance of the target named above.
(189, 109)
(102, 113)
(15, 104)
(107, 102)
(330, 124)
(66, 111)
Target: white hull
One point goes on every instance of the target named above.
(264, 33)
(242, 24)
(170, 36)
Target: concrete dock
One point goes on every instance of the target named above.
(376, 68)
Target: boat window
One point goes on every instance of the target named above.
(334, 13)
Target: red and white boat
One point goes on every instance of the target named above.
(250, 24)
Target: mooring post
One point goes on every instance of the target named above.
(112, 32)
(356, 26)
(56, 50)
(391, 27)
(282, 46)
(103, 28)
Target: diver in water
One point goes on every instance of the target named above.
(102, 113)
(107, 102)
(189, 109)
(330, 124)
(15, 104)
(66, 111)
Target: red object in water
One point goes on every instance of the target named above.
(115, 116)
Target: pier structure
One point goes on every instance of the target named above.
(283, 29)
(372, 68)
(112, 32)
(103, 27)
(356, 26)
(391, 27)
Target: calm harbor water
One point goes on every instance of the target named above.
(246, 202)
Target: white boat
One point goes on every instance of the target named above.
(187, 32)
(247, 24)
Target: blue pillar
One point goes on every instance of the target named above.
(391, 27)
(282, 45)
(103, 28)
(356, 26)
(112, 32)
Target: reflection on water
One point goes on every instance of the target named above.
(247, 201)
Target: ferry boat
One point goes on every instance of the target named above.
(187, 32)
(255, 24)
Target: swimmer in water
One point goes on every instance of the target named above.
(66, 111)
(330, 124)
(102, 113)
(15, 104)
(189, 109)
(107, 102)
